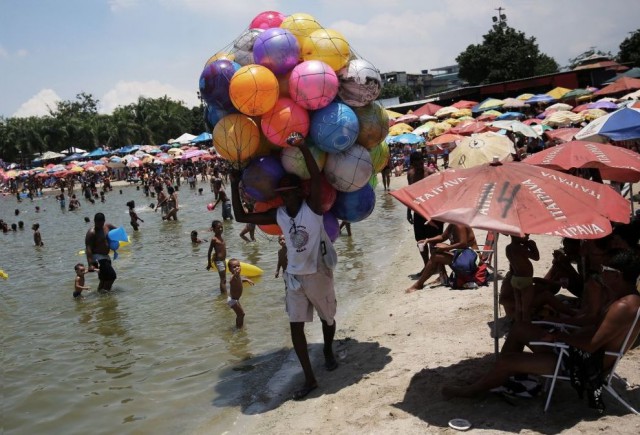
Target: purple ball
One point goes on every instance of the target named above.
(214, 83)
(331, 225)
(277, 49)
(354, 206)
(261, 177)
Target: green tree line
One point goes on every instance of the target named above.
(77, 123)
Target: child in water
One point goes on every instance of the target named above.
(235, 290)
(79, 283)
(133, 215)
(282, 255)
(37, 237)
(219, 248)
(194, 238)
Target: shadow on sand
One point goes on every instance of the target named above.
(497, 412)
(263, 383)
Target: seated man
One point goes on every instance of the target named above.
(460, 236)
(618, 277)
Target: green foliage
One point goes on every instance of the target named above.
(77, 123)
(505, 54)
(629, 54)
(403, 92)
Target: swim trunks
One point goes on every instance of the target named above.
(312, 291)
(106, 272)
(521, 282)
(232, 302)
(220, 265)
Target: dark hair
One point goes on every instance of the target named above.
(416, 157)
(131, 204)
(99, 217)
(627, 261)
(86, 219)
(170, 190)
(77, 266)
(215, 222)
(194, 233)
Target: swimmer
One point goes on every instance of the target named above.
(235, 290)
(133, 215)
(194, 238)
(37, 237)
(86, 219)
(219, 246)
(79, 282)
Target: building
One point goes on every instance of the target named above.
(426, 82)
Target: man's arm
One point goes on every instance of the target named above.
(315, 195)
(88, 250)
(265, 218)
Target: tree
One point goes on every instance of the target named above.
(505, 54)
(629, 54)
(391, 90)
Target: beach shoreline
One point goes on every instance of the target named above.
(397, 350)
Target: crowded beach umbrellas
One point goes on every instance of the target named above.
(621, 85)
(540, 99)
(623, 124)
(615, 163)
(516, 127)
(480, 149)
(562, 134)
(516, 198)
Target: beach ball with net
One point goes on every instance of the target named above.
(294, 163)
(210, 206)
(327, 193)
(253, 90)
(313, 84)
(262, 206)
(220, 55)
(334, 128)
(354, 206)
(261, 177)
(277, 49)
(301, 26)
(379, 156)
(285, 118)
(349, 170)
(373, 120)
(360, 83)
(327, 46)
(266, 20)
(215, 114)
(236, 138)
(331, 225)
(214, 82)
(243, 47)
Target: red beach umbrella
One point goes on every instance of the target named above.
(614, 162)
(469, 127)
(562, 134)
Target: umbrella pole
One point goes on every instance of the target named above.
(495, 297)
(631, 197)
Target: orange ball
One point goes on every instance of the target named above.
(260, 206)
(254, 90)
(236, 137)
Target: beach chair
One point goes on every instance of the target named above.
(485, 252)
(563, 352)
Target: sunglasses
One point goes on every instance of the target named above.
(604, 268)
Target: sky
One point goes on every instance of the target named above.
(118, 50)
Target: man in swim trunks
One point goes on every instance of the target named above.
(97, 249)
(309, 282)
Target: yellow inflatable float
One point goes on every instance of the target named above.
(246, 269)
(3, 274)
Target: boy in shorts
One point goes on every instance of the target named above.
(219, 248)
(235, 290)
(79, 282)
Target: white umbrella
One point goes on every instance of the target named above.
(516, 127)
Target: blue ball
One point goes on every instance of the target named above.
(215, 114)
(354, 206)
(214, 83)
(334, 128)
(277, 49)
(261, 177)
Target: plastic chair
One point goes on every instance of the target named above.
(485, 252)
(563, 351)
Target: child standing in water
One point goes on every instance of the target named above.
(219, 247)
(133, 215)
(79, 283)
(282, 255)
(235, 290)
(37, 237)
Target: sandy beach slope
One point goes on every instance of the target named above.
(398, 350)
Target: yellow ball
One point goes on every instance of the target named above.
(328, 46)
(220, 55)
(301, 26)
(236, 138)
(254, 90)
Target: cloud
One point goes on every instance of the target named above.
(119, 5)
(22, 53)
(127, 92)
(39, 104)
(3, 53)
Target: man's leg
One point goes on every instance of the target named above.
(299, 341)
(328, 332)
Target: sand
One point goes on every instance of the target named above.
(398, 350)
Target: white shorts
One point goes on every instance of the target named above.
(232, 302)
(316, 291)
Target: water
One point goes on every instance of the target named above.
(160, 354)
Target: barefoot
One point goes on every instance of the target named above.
(304, 391)
(414, 288)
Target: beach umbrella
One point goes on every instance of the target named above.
(580, 108)
(438, 129)
(562, 118)
(558, 92)
(175, 151)
(516, 127)
(481, 149)
(424, 118)
(76, 169)
(424, 128)
(621, 85)
(461, 113)
(405, 139)
(446, 111)
(604, 105)
(445, 138)
(469, 127)
(514, 103)
(524, 97)
(540, 129)
(531, 121)
(427, 109)
(632, 96)
(409, 117)
(510, 115)
(392, 114)
(615, 163)
(516, 198)
(575, 94)
(560, 106)
(623, 124)
(464, 104)
(591, 114)
(488, 104)
(400, 128)
(540, 99)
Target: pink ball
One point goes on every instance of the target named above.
(267, 20)
(313, 84)
(285, 118)
(210, 206)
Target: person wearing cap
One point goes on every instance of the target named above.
(309, 282)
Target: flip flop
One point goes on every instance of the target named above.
(303, 392)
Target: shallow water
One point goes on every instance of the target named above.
(160, 353)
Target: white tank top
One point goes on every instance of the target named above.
(302, 234)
